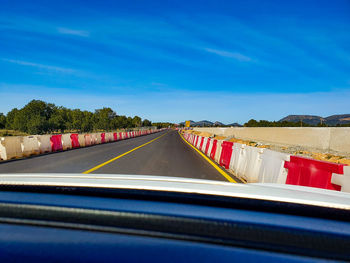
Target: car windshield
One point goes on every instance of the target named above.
(222, 97)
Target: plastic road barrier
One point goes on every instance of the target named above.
(44, 143)
(107, 137)
(226, 153)
(66, 141)
(97, 137)
(314, 173)
(30, 145)
(93, 138)
(204, 144)
(201, 143)
(236, 158)
(272, 168)
(88, 139)
(115, 136)
(342, 180)
(210, 147)
(251, 163)
(207, 146)
(103, 137)
(213, 149)
(218, 151)
(198, 141)
(56, 142)
(10, 147)
(81, 139)
(74, 137)
(195, 140)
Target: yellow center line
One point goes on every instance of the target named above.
(229, 178)
(119, 156)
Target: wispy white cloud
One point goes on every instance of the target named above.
(40, 66)
(68, 31)
(227, 54)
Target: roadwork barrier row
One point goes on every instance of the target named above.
(261, 165)
(12, 147)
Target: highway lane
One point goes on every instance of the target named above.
(164, 154)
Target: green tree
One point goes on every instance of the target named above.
(87, 122)
(2, 121)
(146, 123)
(136, 121)
(103, 118)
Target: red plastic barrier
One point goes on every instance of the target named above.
(207, 146)
(201, 144)
(103, 137)
(74, 137)
(56, 142)
(115, 136)
(226, 153)
(314, 173)
(213, 149)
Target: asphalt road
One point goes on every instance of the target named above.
(168, 155)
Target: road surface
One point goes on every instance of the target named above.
(165, 154)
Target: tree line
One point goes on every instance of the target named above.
(39, 117)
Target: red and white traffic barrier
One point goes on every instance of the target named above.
(21, 146)
(258, 165)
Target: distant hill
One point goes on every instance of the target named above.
(338, 119)
(235, 124)
(309, 119)
(206, 123)
(314, 120)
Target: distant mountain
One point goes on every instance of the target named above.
(234, 125)
(206, 123)
(314, 120)
(338, 119)
(309, 119)
(219, 124)
(203, 123)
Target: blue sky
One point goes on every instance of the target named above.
(176, 60)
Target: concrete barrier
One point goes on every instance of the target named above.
(10, 147)
(44, 143)
(30, 145)
(333, 139)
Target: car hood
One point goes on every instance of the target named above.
(269, 192)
